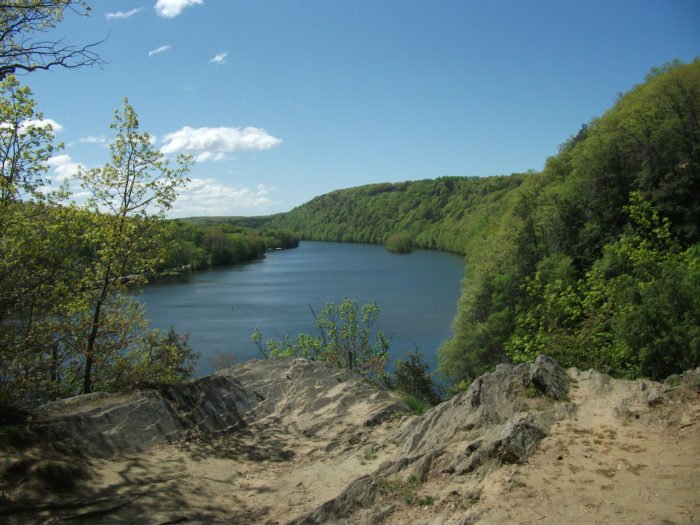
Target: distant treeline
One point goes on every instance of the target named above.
(449, 214)
(202, 243)
(595, 260)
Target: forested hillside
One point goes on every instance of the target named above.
(449, 213)
(595, 260)
(199, 244)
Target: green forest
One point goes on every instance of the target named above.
(594, 261)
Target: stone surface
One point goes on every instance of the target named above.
(292, 441)
(549, 377)
(308, 394)
(481, 427)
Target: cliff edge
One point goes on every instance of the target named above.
(293, 441)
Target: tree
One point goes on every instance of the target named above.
(21, 52)
(344, 339)
(636, 312)
(130, 195)
(25, 146)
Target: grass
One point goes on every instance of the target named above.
(415, 405)
(422, 501)
(368, 456)
(405, 490)
(531, 391)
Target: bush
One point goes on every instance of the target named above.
(412, 377)
(400, 243)
(344, 340)
(415, 405)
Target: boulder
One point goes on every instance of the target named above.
(549, 377)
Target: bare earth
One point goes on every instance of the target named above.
(630, 453)
(614, 463)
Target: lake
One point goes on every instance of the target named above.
(417, 294)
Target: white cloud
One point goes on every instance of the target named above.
(211, 197)
(209, 155)
(43, 123)
(172, 8)
(64, 167)
(123, 14)
(92, 139)
(218, 59)
(159, 50)
(213, 143)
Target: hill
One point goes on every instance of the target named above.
(449, 213)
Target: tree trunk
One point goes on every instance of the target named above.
(89, 351)
(92, 338)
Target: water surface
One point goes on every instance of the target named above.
(220, 309)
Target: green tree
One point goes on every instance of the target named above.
(399, 243)
(35, 244)
(636, 312)
(344, 339)
(130, 196)
(413, 377)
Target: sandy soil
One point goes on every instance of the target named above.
(620, 459)
(265, 474)
(616, 462)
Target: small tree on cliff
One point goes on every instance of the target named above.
(344, 339)
(130, 196)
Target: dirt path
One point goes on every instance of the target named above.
(238, 479)
(628, 453)
(619, 461)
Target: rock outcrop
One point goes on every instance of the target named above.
(314, 396)
(293, 441)
(499, 420)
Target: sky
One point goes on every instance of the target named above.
(283, 100)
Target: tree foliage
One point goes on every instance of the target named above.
(344, 340)
(412, 377)
(129, 197)
(66, 322)
(197, 245)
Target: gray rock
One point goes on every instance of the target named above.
(478, 428)
(518, 441)
(549, 377)
(315, 395)
(655, 398)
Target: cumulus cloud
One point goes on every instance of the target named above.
(123, 14)
(213, 143)
(211, 197)
(172, 8)
(64, 167)
(218, 59)
(159, 50)
(43, 123)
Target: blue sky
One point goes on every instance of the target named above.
(283, 100)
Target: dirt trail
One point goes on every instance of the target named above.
(619, 460)
(619, 452)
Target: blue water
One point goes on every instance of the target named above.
(417, 294)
